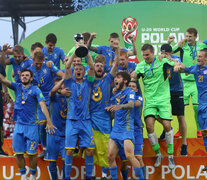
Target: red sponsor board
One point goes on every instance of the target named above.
(186, 168)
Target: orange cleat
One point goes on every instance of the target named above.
(177, 135)
(199, 134)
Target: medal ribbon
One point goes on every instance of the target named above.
(149, 69)
(38, 75)
(79, 88)
(99, 83)
(25, 93)
(193, 53)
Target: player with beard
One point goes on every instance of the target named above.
(101, 121)
(122, 134)
(78, 123)
(25, 138)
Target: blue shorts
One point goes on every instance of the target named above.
(40, 114)
(138, 143)
(79, 129)
(25, 139)
(120, 145)
(202, 116)
(55, 145)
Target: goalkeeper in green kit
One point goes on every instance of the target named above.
(157, 99)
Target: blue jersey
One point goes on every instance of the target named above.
(25, 103)
(78, 108)
(100, 96)
(124, 118)
(59, 113)
(18, 67)
(109, 54)
(200, 74)
(176, 83)
(55, 56)
(138, 124)
(44, 78)
(130, 67)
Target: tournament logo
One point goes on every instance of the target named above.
(45, 71)
(129, 27)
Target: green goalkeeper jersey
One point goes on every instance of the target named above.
(154, 77)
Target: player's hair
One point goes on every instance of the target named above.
(18, 49)
(27, 70)
(205, 51)
(125, 76)
(39, 55)
(134, 82)
(100, 59)
(147, 47)
(113, 35)
(35, 45)
(79, 65)
(51, 38)
(86, 36)
(192, 30)
(123, 52)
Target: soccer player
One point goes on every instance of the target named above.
(101, 120)
(122, 134)
(176, 92)
(109, 51)
(189, 51)
(56, 141)
(51, 52)
(19, 61)
(86, 37)
(157, 99)
(43, 78)
(124, 64)
(78, 124)
(37, 46)
(200, 73)
(25, 136)
(138, 133)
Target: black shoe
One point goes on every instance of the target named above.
(104, 178)
(205, 168)
(93, 178)
(183, 150)
(3, 154)
(162, 136)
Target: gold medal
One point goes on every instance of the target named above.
(38, 85)
(193, 61)
(96, 94)
(23, 102)
(79, 97)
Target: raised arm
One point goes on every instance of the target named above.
(94, 49)
(51, 128)
(5, 81)
(56, 87)
(134, 50)
(3, 60)
(116, 62)
(133, 76)
(68, 72)
(91, 71)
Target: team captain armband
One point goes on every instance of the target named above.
(90, 78)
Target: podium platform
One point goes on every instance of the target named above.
(189, 167)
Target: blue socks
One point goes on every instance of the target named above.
(22, 171)
(143, 170)
(53, 170)
(205, 142)
(68, 166)
(89, 166)
(105, 170)
(124, 174)
(42, 134)
(33, 171)
(113, 172)
(63, 169)
(139, 172)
